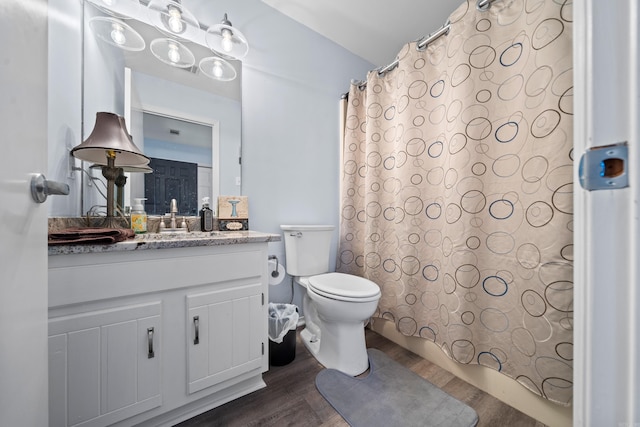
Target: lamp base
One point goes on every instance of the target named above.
(107, 222)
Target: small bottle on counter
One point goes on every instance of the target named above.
(138, 216)
(206, 216)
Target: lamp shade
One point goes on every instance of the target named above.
(138, 169)
(110, 135)
(227, 41)
(217, 69)
(117, 33)
(172, 52)
(172, 18)
(130, 169)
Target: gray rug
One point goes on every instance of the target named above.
(391, 395)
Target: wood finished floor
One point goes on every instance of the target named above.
(291, 397)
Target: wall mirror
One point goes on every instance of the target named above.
(172, 114)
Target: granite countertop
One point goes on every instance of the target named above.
(170, 240)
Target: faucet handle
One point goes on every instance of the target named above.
(174, 206)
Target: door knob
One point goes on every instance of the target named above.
(41, 188)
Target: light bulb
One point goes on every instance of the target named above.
(175, 20)
(173, 54)
(117, 34)
(217, 69)
(227, 42)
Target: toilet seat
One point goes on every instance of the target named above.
(344, 287)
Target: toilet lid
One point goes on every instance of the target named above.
(343, 285)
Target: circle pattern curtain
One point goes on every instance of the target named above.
(457, 191)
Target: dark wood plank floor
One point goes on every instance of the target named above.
(291, 398)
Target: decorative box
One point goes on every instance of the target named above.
(233, 213)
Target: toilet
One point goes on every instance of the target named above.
(335, 305)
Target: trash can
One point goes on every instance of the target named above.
(283, 319)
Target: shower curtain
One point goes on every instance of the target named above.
(456, 193)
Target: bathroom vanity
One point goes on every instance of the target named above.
(157, 329)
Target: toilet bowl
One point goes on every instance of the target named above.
(335, 305)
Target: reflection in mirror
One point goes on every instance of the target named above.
(181, 159)
(139, 87)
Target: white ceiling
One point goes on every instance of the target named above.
(375, 30)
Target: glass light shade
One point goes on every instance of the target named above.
(172, 18)
(217, 69)
(117, 33)
(172, 52)
(110, 135)
(123, 9)
(227, 41)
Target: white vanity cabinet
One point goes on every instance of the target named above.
(225, 330)
(104, 365)
(154, 337)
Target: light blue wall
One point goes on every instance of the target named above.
(292, 82)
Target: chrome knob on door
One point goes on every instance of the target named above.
(41, 188)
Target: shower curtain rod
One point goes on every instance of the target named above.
(422, 44)
(481, 5)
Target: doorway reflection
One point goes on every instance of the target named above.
(181, 159)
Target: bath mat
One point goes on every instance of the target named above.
(391, 395)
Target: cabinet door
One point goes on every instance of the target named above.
(226, 334)
(104, 366)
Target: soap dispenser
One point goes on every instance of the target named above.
(138, 216)
(206, 216)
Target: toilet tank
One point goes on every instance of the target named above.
(307, 248)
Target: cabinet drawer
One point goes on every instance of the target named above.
(90, 277)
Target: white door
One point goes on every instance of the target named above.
(23, 223)
(606, 286)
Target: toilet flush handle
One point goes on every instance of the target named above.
(297, 234)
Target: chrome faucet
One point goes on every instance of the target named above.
(173, 210)
(173, 226)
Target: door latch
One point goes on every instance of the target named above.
(604, 168)
(41, 187)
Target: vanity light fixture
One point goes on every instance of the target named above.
(111, 146)
(227, 41)
(172, 52)
(217, 69)
(117, 33)
(172, 18)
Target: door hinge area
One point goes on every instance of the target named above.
(263, 298)
(263, 348)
